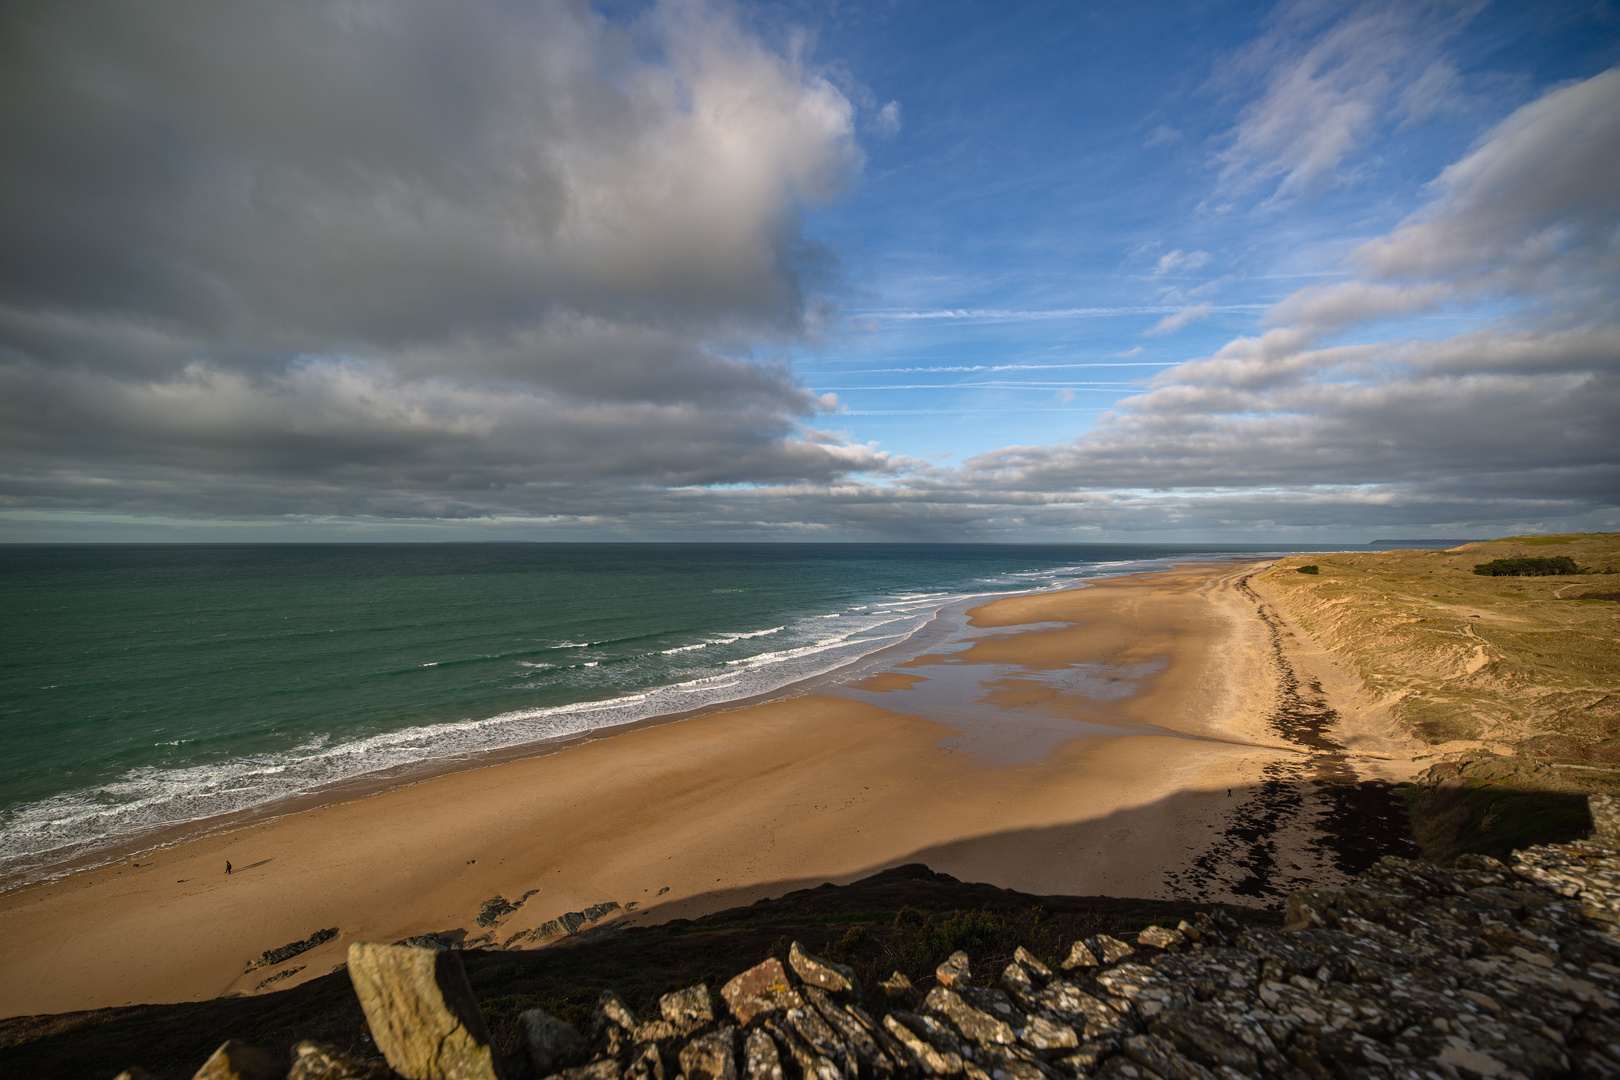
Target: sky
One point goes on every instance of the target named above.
(807, 270)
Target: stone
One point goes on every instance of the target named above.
(1032, 964)
(898, 990)
(760, 1059)
(239, 1061)
(1159, 937)
(1079, 957)
(611, 1009)
(712, 1056)
(909, 1030)
(1043, 1034)
(318, 1061)
(833, 977)
(812, 1064)
(1159, 1056)
(422, 1012)
(760, 990)
(954, 972)
(975, 1024)
(1015, 978)
(551, 1043)
(855, 1028)
(688, 1009)
(600, 1069)
(1110, 950)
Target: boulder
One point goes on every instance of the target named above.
(954, 972)
(759, 991)
(239, 1061)
(832, 977)
(551, 1043)
(422, 1012)
(712, 1056)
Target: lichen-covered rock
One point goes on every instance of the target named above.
(760, 1059)
(954, 972)
(975, 1024)
(551, 1043)
(422, 1013)
(913, 1033)
(1159, 937)
(238, 1061)
(688, 1009)
(1079, 957)
(318, 1061)
(815, 971)
(762, 989)
(712, 1056)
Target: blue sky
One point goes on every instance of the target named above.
(1160, 271)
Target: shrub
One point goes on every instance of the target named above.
(1528, 567)
(1311, 569)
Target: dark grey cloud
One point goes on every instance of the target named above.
(422, 248)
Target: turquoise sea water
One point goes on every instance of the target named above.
(145, 686)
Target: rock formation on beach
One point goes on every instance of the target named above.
(1482, 970)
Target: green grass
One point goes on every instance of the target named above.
(1481, 818)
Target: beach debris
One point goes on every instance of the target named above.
(422, 1012)
(954, 971)
(551, 1042)
(238, 1061)
(830, 976)
(762, 989)
(319, 1061)
(271, 957)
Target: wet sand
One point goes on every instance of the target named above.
(1081, 742)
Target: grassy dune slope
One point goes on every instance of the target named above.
(1513, 681)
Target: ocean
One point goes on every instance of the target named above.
(149, 686)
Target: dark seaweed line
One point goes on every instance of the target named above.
(1356, 822)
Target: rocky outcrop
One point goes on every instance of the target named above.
(1481, 970)
(271, 957)
(570, 922)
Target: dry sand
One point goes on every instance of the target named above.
(1089, 752)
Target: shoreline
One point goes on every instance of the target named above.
(161, 837)
(753, 798)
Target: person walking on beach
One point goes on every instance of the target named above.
(227, 866)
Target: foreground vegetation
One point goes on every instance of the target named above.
(1502, 656)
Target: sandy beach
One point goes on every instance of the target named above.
(1080, 742)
